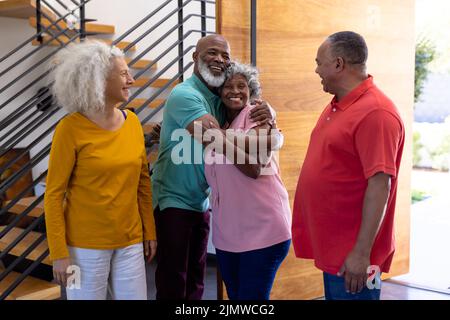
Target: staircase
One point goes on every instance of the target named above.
(28, 116)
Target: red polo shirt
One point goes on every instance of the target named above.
(354, 139)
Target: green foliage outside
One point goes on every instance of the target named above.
(441, 155)
(417, 195)
(425, 53)
(417, 147)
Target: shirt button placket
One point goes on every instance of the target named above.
(329, 118)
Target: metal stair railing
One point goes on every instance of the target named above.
(28, 126)
(13, 133)
(40, 30)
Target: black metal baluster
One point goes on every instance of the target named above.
(38, 21)
(203, 13)
(82, 21)
(180, 37)
(253, 32)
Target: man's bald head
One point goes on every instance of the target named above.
(210, 40)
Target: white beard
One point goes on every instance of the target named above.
(211, 80)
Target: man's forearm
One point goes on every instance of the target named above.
(242, 149)
(374, 206)
(272, 140)
(247, 164)
(256, 148)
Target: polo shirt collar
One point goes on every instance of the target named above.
(208, 94)
(353, 95)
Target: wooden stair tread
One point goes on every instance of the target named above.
(152, 156)
(30, 288)
(90, 27)
(54, 42)
(24, 203)
(148, 127)
(22, 9)
(140, 64)
(136, 103)
(24, 244)
(159, 83)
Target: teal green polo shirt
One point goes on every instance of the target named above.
(178, 178)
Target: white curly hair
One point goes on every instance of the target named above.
(250, 73)
(79, 73)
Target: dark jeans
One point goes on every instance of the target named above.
(335, 290)
(182, 237)
(249, 275)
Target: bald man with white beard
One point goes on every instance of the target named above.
(180, 190)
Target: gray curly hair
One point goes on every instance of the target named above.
(79, 73)
(250, 73)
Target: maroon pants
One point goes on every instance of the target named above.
(181, 255)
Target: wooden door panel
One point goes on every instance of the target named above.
(288, 35)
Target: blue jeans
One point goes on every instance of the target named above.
(249, 275)
(335, 290)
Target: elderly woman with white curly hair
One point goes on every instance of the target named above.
(98, 208)
(251, 217)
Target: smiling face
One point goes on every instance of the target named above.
(326, 67)
(212, 58)
(118, 82)
(235, 92)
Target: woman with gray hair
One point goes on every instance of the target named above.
(98, 208)
(251, 216)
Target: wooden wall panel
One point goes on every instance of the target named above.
(289, 33)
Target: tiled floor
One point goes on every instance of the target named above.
(390, 290)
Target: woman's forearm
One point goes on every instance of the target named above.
(145, 201)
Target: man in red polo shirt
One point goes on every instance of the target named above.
(344, 205)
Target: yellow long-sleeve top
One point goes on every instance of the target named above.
(98, 193)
